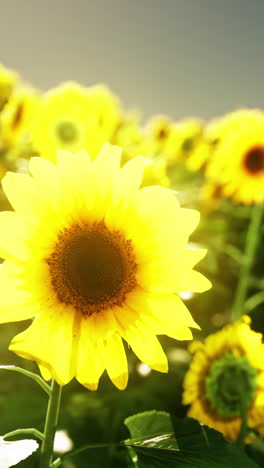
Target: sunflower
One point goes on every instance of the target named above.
(104, 110)
(219, 128)
(157, 134)
(214, 133)
(237, 166)
(182, 139)
(96, 260)
(17, 115)
(134, 141)
(130, 136)
(155, 172)
(73, 117)
(199, 157)
(229, 363)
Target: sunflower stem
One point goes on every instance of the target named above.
(244, 419)
(248, 261)
(50, 425)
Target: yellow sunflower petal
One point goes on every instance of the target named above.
(116, 361)
(16, 302)
(180, 334)
(188, 258)
(146, 227)
(165, 275)
(152, 199)
(21, 191)
(147, 348)
(44, 171)
(65, 157)
(57, 352)
(45, 372)
(108, 159)
(166, 310)
(99, 326)
(90, 363)
(189, 219)
(171, 310)
(14, 231)
(194, 281)
(132, 173)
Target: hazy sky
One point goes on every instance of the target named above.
(180, 57)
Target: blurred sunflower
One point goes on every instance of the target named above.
(17, 116)
(135, 142)
(8, 80)
(155, 172)
(105, 113)
(157, 134)
(219, 128)
(215, 132)
(87, 254)
(200, 155)
(130, 136)
(226, 368)
(237, 166)
(72, 117)
(182, 139)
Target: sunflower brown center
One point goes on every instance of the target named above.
(254, 160)
(67, 131)
(92, 268)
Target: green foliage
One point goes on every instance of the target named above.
(159, 439)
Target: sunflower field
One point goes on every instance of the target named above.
(131, 283)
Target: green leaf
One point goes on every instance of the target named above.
(141, 425)
(145, 434)
(159, 439)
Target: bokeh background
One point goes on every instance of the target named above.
(178, 57)
(181, 58)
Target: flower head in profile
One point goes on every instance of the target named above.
(236, 166)
(226, 368)
(74, 117)
(96, 260)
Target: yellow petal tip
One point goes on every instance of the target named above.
(121, 381)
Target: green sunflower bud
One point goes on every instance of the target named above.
(231, 385)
